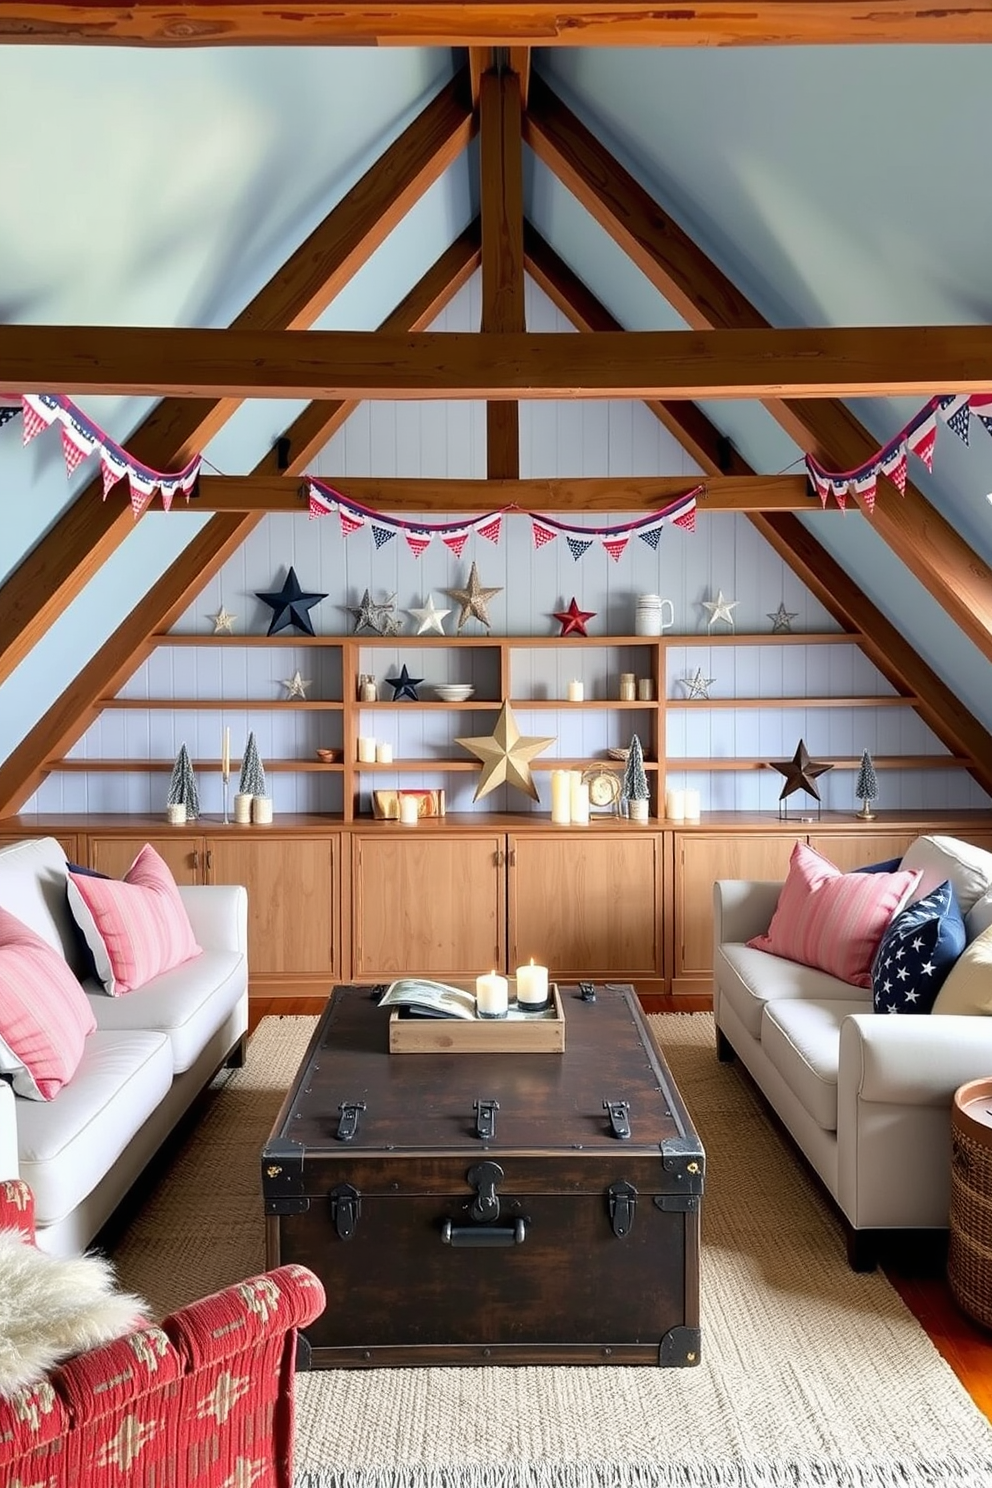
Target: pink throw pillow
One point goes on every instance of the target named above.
(136, 927)
(831, 920)
(44, 1013)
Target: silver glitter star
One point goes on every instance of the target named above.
(698, 686)
(296, 686)
(720, 609)
(782, 619)
(379, 618)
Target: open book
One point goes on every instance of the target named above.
(429, 999)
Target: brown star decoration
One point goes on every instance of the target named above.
(800, 772)
(505, 756)
(474, 600)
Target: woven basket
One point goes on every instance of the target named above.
(969, 1260)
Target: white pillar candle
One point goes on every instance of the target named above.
(409, 810)
(692, 805)
(366, 750)
(561, 809)
(675, 805)
(384, 753)
(532, 986)
(576, 691)
(492, 995)
(225, 754)
(242, 808)
(580, 802)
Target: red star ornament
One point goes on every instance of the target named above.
(573, 620)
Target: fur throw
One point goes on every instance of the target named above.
(51, 1308)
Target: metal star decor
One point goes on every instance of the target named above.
(505, 756)
(720, 609)
(800, 773)
(379, 618)
(429, 618)
(223, 621)
(474, 600)
(782, 619)
(573, 620)
(290, 605)
(296, 686)
(404, 686)
(698, 686)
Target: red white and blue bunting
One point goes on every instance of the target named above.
(384, 526)
(918, 438)
(81, 437)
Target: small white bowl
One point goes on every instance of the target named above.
(454, 692)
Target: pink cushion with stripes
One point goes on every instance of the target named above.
(833, 920)
(136, 927)
(44, 1013)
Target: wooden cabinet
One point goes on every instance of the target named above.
(66, 840)
(430, 904)
(700, 860)
(852, 850)
(586, 905)
(185, 855)
(294, 898)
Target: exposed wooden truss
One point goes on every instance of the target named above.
(480, 23)
(813, 364)
(502, 203)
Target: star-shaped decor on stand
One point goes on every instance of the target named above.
(223, 622)
(429, 618)
(379, 618)
(505, 756)
(296, 686)
(782, 619)
(290, 605)
(474, 600)
(801, 773)
(573, 620)
(698, 686)
(720, 609)
(404, 686)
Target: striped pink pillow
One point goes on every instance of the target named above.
(136, 927)
(833, 920)
(44, 1013)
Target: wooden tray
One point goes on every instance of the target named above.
(527, 1033)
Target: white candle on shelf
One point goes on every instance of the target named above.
(366, 750)
(580, 802)
(576, 691)
(675, 805)
(561, 809)
(225, 756)
(692, 805)
(409, 810)
(532, 987)
(261, 810)
(242, 808)
(492, 995)
(384, 753)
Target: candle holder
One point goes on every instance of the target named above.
(227, 781)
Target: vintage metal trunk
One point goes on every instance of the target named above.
(490, 1208)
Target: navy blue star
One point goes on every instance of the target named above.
(290, 606)
(404, 686)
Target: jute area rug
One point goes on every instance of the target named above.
(810, 1374)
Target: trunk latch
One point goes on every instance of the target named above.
(619, 1120)
(351, 1113)
(484, 1177)
(623, 1199)
(485, 1120)
(346, 1206)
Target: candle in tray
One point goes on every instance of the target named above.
(225, 757)
(532, 988)
(561, 791)
(491, 995)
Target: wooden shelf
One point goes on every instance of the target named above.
(177, 638)
(886, 701)
(157, 767)
(882, 762)
(223, 705)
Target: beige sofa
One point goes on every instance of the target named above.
(152, 1052)
(866, 1097)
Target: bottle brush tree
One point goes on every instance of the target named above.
(866, 786)
(252, 781)
(182, 785)
(634, 786)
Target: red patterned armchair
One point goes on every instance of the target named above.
(205, 1400)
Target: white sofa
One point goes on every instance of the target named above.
(866, 1097)
(152, 1052)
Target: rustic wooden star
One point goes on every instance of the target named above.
(474, 600)
(505, 756)
(782, 619)
(223, 621)
(800, 773)
(290, 605)
(430, 618)
(405, 686)
(296, 686)
(698, 686)
(573, 620)
(720, 609)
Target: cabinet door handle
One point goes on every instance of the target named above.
(210, 859)
(196, 859)
(498, 857)
(511, 857)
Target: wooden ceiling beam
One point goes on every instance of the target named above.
(422, 23)
(71, 714)
(252, 493)
(928, 545)
(766, 363)
(502, 213)
(65, 559)
(941, 710)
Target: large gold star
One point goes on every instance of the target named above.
(505, 756)
(800, 772)
(474, 600)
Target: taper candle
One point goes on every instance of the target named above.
(225, 758)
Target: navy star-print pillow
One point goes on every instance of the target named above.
(916, 953)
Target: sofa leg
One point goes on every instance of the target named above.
(238, 1055)
(724, 1048)
(862, 1248)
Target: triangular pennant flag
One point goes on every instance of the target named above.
(865, 486)
(456, 541)
(615, 546)
(350, 521)
(6, 414)
(651, 535)
(542, 535)
(986, 423)
(956, 415)
(381, 535)
(578, 548)
(112, 471)
(894, 466)
(416, 542)
(821, 484)
(75, 447)
(34, 424)
(491, 529)
(167, 489)
(922, 440)
(838, 490)
(141, 492)
(687, 520)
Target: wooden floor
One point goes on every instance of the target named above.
(965, 1345)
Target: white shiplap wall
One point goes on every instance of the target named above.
(448, 439)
